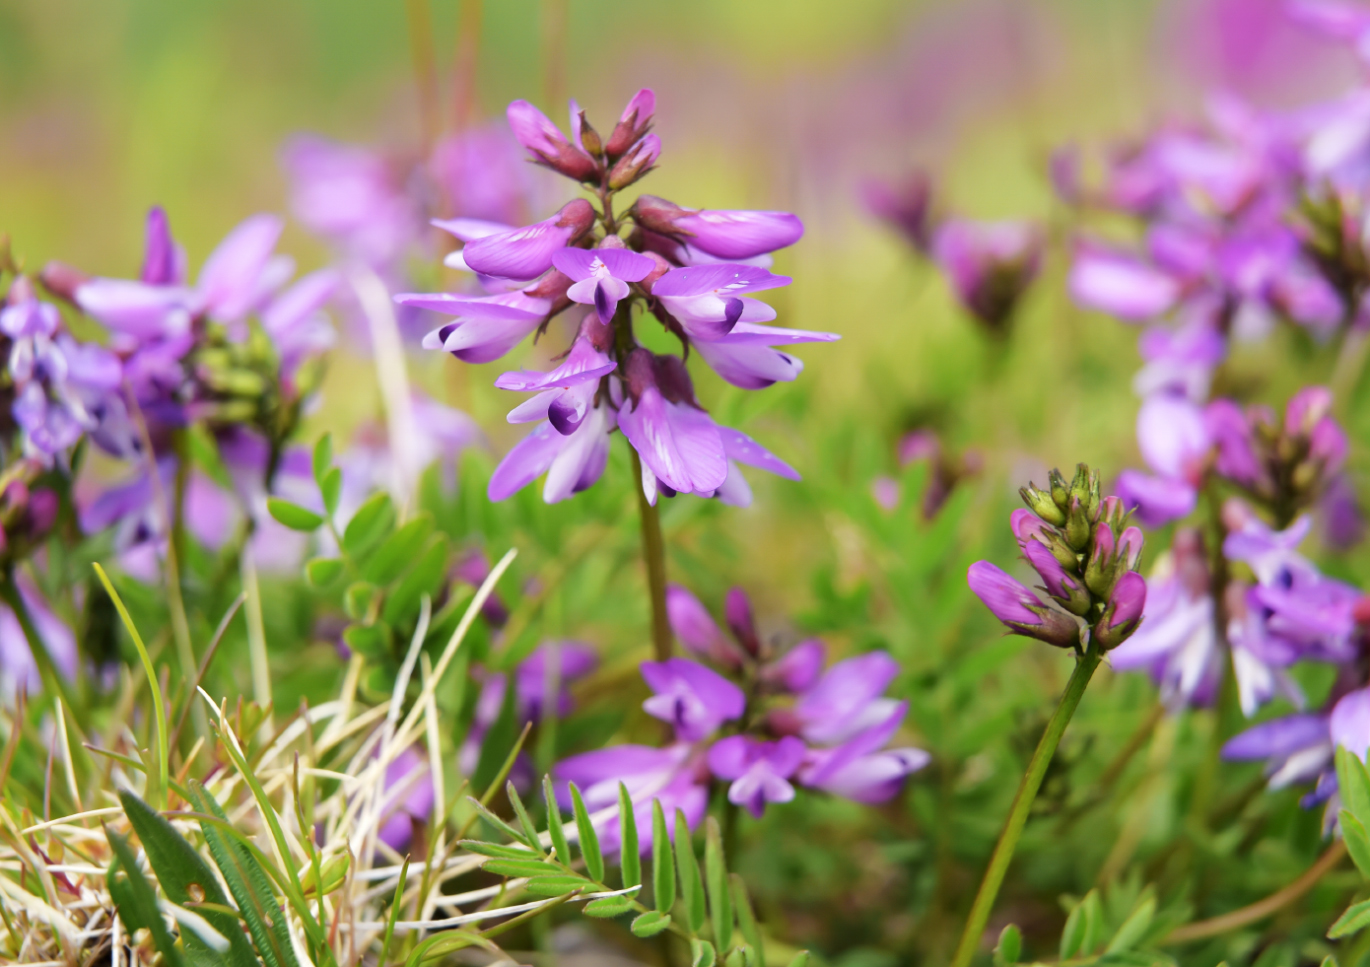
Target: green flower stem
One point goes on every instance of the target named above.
(654, 553)
(1022, 805)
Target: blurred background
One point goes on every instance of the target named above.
(109, 107)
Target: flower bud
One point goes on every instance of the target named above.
(548, 145)
(639, 160)
(62, 280)
(1062, 586)
(633, 124)
(1019, 609)
(1124, 612)
(1042, 504)
(738, 612)
(1060, 490)
(1078, 524)
(1101, 571)
(589, 137)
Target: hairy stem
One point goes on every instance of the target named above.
(1022, 805)
(1203, 929)
(654, 553)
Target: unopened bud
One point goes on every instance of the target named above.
(1060, 490)
(633, 124)
(1124, 612)
(589, 138)
(636, 163)
(1078, 525)
(1042, 504)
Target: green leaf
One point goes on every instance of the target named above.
(801, 959)
(369, 641)
(650, 924)
(630, 860)
(1073, 936)
(608, 906)
(323, 456)
(742, 956)
(1134, 928)
(1094, 922)
(330, 489)
(589, 842)
(1355, 919)
(1354, 782)
(554, 824)
(663, 862)
(425, 577)
(501, 825)
(746, 919)
(359, 599)
(691, 885)
(136, 901)
(1009, 947)
(519, 868)
(368, 525)
(716, 875)
(702, 954)
(332, 874)
(558, 885)
(249, 884)
(498, 850)
(399, 550)
(186, 880)
(293, 516)
(323, 571)
(1357, 842)
(530, 829)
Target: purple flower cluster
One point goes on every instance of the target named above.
(760, 721)
(696, 271)
(1081, 546)
(1284, 465)
(988, 265)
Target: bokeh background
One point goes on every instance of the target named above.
(109, 106)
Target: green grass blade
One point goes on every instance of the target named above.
(589, 842)
(629, 859)
(187, 881)
(691, 884)
(154, 686)
(136, 900)
(249, 884)
(394, 915)
(663, 861)
(716, 876)
(529, 828)
(746, 918)
(554, 824)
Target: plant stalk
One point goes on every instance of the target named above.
(1022, 805)
(654, 554)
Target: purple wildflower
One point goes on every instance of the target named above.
(759, 770)
(693, 699)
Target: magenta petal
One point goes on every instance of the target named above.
(484, 340)
(749, 366)
(1157, 500)
(740, 234)
(742, 448)
(528, 460)
(1120, 285)
(1007, 598)
(691, 621)
(228, 287)
(164, 263)
(470, 229)
(1350, 722)
(722, 278)
(524, 253)
(680, 444)
(134, 308)
(1280, 737)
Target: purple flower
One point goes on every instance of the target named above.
(710, 300)
(567, 393)
(1298, 749)
(729, 236)
(1123, 612)
(675, 775)
(526, 253)
(480, 173)
(1120, 284)
(17, 668)
(408, 798)
(847, 698)
(693, 699)
(759, 770)
(696, 629)
(548, 145)
(1066, 589)
(860, 768)
(352, 197)
(1349, 723)
(1018, 608)
(601, 276)
(798, 669)
(988, 264)
(569, 660)
(632, 125)
(1157, 500)
(572, 462)
(905, 205)
(677, 440)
